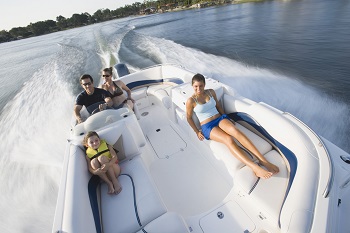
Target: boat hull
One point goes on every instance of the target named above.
(172, 182)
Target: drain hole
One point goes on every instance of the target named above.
(157, 130)
(144, 114)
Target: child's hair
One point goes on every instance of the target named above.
(88, 135)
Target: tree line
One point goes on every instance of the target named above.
(78, 20)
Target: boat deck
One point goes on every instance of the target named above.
(197, 185)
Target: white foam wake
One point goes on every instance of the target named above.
(34, 128)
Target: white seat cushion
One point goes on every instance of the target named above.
(151, 90)
(139, 93)
(118, 212)
(268, 193)
(262, 145)
(221, 150)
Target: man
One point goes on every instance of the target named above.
(92, 97)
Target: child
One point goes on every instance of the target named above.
(102, 161)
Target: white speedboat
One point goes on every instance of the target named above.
(174, 183)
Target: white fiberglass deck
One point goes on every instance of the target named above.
(197, 186)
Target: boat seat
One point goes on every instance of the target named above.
(269, 200)
(151, 90)
(118, 212)
(161, 92)
(139, 93)
(220, 151)
(167, 223)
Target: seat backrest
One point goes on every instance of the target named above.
(118, 127)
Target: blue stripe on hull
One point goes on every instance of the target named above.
(142, 83)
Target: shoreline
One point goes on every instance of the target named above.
(7, 37)
(203, 5)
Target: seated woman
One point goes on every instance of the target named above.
(217, 126)
(115, 88)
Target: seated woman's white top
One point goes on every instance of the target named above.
(207, 110)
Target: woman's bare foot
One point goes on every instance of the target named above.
(270, 167)
(261, 172)
(117, 187)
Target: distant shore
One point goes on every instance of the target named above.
(229, 2)
(102, 15)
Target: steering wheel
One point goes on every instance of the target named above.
(96, 110)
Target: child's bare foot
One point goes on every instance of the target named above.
(261, 172)
(117, 187)
(110, 188)
(270, 167)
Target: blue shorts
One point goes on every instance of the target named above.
(207, 127)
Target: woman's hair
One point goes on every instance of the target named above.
(108, 70)
(85, 76)
(198, 78)
(88, 135)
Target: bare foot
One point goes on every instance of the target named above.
(270, 167)
(110, 188)
(117, 187)
(261, 172)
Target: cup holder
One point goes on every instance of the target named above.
(345, 158)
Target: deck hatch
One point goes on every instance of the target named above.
(165, 141)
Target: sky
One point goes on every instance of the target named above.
(20, 13)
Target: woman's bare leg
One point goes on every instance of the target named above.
(219, 135)
(227, 126)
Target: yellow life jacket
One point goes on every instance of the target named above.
(101, 150)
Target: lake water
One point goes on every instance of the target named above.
(292, 55)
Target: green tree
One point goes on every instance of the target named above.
(43, 27)
(106, 14)
(98, 15)
(5, 36)
(61, 22)
(78, 20)
(90, 18)
(19, 32)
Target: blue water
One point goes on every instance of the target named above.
(292, 55)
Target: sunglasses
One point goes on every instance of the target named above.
(86, 84)
(106, 75)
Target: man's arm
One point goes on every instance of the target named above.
(77, 115)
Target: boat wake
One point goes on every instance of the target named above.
(34, 129)
(323, 114)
